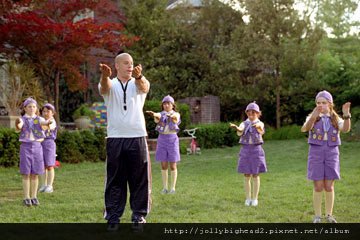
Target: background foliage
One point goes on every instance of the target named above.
(270, 51)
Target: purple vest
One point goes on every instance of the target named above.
(316, 135)
(31, 125)
(165, 120)
(51, 134)
(256, 137)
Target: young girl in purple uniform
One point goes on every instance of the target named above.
(49, 150)
(252, 156)
(167, 150)
(31, 128)
(324, 126)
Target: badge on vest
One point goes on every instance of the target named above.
(314, 136)
(319, 137)
(333, 139)
(334, 132)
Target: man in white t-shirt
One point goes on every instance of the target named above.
(128, 161)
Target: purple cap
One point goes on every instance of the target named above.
(28, 101)
(168, 98)
(325, 94)
(253, 106)
(48, 105)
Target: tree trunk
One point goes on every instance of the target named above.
(56, 93)
(278, 89)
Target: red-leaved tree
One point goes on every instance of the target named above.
(57, 41)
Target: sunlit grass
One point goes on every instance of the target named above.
(209, 190)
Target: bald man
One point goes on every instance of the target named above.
(128, 161)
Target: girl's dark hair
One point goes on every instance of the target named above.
(173, 104)
(48, 108)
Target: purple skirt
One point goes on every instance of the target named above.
(49, 151)
(323, 162)
(31, 158)
(252, 159)
(167, 148)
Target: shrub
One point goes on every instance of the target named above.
(9, 147)
(83, 110)
(286, 132)
(68, 144)
(81, 145)
(100, 143)
(220, 134)
(89, 149)
(215, 135)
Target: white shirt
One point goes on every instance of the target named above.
(127, 123)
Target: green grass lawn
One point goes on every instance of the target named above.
(209, 190)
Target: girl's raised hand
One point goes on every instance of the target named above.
(151, 113)
(316, 112)
(17, 121)
(346, 108)
(233, 125)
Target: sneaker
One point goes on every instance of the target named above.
(35, 202)
(112, 227)
(49, 189)
(164, 191)
(248, 202)
(254, 202)
(172, 191)
(27, 202)
(330, 219)
(42, 188)
(317, 219)
(138, 224)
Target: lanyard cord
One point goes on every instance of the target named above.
(124, 90)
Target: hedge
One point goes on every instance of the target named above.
(220, 134)
(72, 146)
(9, 147)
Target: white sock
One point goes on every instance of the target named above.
(50, 177)
(329, 202)
(247, 187)
(317, 199)
(173, 179)
(34, 183)
(26, 186)
(164, 174)
(256, 186)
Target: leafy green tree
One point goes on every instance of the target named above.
(336, 16)
(275, 34)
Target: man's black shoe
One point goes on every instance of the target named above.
(138, 224)
(113, 227)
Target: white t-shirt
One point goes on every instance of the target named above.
(127, 123)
